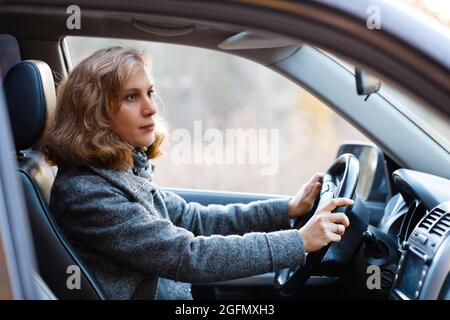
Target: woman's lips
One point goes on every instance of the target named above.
(149, 127)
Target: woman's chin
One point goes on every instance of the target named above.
(145, 142)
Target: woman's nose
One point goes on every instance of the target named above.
(148, 108)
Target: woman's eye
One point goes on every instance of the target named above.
(149, 92)
(130, 97)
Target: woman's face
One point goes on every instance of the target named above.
(134, 121)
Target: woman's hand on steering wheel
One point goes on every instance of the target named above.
(338, 183)
(304, 199)
(325, 226)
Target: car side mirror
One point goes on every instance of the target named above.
(366, 84)
(373, 184)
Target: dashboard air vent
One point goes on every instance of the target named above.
(442, 226)
(431, 218)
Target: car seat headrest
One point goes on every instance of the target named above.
(30, 95)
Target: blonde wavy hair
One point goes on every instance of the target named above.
(80, 131)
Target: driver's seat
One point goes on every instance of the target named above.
(30, 94)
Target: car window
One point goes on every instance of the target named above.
(10, 53)
(232, 124)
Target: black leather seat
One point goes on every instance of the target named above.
(30, 94)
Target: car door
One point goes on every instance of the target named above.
(335, 24)
(256, 287)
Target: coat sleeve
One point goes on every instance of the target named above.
(262, 216)
(101, 217)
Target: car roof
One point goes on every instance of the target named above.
(405, 22)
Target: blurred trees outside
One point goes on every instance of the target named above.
(228, 92)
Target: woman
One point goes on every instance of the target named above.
(129, 231)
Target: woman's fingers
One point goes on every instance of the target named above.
(337, 202)
(313, 186)
(338, 229)
(325, 227)
(335, 237)
(313, 191)
(317, 177)
(340, 218)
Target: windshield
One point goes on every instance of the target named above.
(435, 125)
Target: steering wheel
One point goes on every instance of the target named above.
(339, 180)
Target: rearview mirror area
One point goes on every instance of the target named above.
(366, 84)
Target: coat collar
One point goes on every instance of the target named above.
(135, 185)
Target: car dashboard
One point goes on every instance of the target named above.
(418, 219)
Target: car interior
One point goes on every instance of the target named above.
(400, 223)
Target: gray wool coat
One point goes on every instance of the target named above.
(131, 234)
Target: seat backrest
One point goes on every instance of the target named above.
(30, 94)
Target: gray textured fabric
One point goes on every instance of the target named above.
(131, 233)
